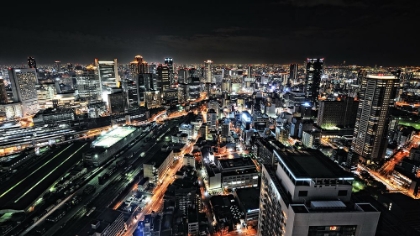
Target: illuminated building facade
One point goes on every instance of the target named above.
(314, 71)
(31, 62)
(207, 71)
(163, 82)
(88, 87)
(108, 76)
(23, 82)
(170, 63)
(139, 66)
(377, 94)
(307, 194)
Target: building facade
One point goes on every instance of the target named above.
(370, 133)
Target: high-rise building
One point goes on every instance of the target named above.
(139, 66)
(108, 76)
(170, 63)
(183, 75)
(87, 84)
(337, 114)
(307, 194)
(208, 71)
(293, 73)
(23, 82)
(163, 82)
(31, 62)
(314, 70)
(377, 94)
(57, 66)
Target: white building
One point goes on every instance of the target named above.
(306, 193)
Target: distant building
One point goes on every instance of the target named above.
(208, 71)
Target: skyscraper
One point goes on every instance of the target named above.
(108, 76)
(377, 93)
(23, 83)
(139, 65)
(170, 63)
(163, 82)
(293, 73)
(207, 71)
(314, 70)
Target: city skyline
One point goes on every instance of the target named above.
(279, 32)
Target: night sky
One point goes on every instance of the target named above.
(362, 32)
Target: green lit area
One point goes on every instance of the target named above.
(415, 125)
(6, 216)
(330, 127)
(358, 186)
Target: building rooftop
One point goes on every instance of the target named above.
(309, 163)
(113, 136)
(236, 163)
(249, 198)
(159, 158)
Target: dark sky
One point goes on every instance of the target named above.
(362, 32)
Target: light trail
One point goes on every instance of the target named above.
(33, 172)
(46, 176)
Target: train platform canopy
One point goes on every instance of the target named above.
(113, 136)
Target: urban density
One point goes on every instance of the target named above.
(168, 148)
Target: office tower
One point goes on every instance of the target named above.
(31, 62)
(117, 102)
(139, 66)
(377, 93)
(146, 82)
(108, 76)
(249, 73)
(183, 75)
(337, 114)
(57, 66)
(23, 82)
(163, 77)
(170, 63)
(153, 68)
(314, 70)
(226, 128)
(207, 71)
(293, 74)
(88, 86)
(307, 194)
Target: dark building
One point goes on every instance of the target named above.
(314, 70)
(163, 82)
(293, 73)
(117, 102)
(332, 114)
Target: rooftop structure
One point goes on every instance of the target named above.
(113, 136)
